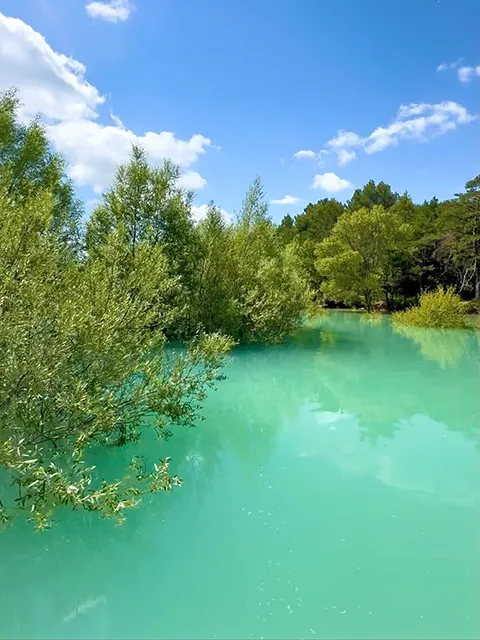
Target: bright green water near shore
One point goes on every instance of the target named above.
(332, 492)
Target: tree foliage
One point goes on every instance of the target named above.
(79, 367)
(437, 309)
(442, 246)
(29, 167)
(356, 258)
(86, 320)
(459, 237)
(372, 195)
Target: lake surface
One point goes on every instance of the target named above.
(332, 492)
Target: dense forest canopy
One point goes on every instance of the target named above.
(119, 324)
(387, 249)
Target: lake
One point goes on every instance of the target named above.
(331, 492)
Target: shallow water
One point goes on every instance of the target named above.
(332, 492)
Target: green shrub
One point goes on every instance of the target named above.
(437, 309)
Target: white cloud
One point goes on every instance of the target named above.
(330, 182)
(465, 74)
(50, 83)
(305, 153)
(418, 122)
(191, 180)
(344, 157)
(118, 123)
(448, 65)
(55, 87)
(340, 144)
(321, 154)
(200, 213)
(286, 200)
(414, 121)
(308, 153)
(345, 139)
(94, 151)
(112, 11)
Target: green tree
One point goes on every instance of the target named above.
(317, 220)
(312, 226)
(254, 207)
(405, 208)
(213, 305)
(373, 194)
(307, 230)
(145, 206)
(79, 367)
(425, 270)
(355, 258)
(270, 292)
(28, 166)
(459, 231)
(286, 229)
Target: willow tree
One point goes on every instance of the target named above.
(29, 166)
(269, 288)
(82, 366)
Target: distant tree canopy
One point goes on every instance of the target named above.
(439, 245)
(373, 194)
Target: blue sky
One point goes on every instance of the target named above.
(257, 81)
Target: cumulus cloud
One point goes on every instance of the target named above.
(330, 183)
(344, 139)
(305, 153)
(94, 151)
(54, 86)
(200, 213)
(344, 156)
(286, 200)
(112, 11)
(340, 146)
(465, 74)
(50, 83)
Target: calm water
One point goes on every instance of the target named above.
(332, 492)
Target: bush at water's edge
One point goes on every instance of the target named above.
(441, 309)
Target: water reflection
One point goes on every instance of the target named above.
(375, 374)
(447, 347)
(348, 430)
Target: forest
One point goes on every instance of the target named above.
(121, 322)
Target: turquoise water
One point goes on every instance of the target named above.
(332, 492)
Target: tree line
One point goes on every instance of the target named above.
(119, 324)
(380, 248)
